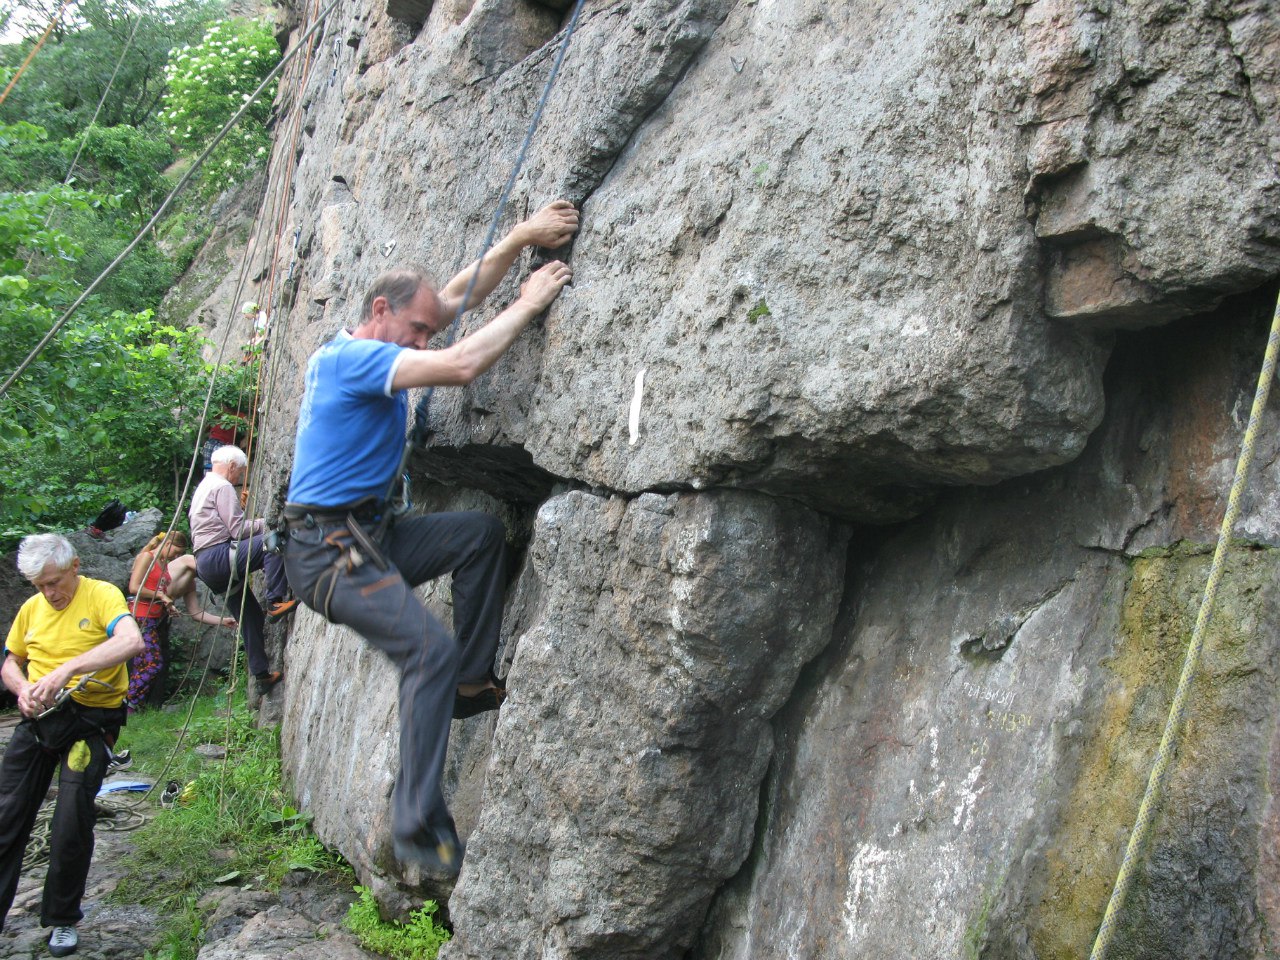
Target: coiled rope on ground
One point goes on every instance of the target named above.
(116, 814)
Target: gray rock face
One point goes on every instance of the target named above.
(626, 765)
(961, 776)
(111, 558)
(860, 253)
(831, 238)
(1152, 173)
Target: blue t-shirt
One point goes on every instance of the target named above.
(351, 425)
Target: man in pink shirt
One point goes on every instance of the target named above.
(228, 547)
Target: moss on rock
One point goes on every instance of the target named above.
(1201, 830)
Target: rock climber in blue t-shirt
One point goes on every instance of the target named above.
(350, 434)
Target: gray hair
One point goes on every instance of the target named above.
(41, 549)
(398, 286)
(229, 453)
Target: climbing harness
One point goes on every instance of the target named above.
(417, 435)
(348, 534)
(233, 558)
(1178, 708)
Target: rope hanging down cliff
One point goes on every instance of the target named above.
(417, 433)
(204, 412)
(267, 213)
(1178, 708)
(177, 190)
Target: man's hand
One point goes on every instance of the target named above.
(475, 353)
(545, 284)
(27, 704)
(44, 692)
(552, 226)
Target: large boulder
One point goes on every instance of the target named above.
(111, 557)
(627, 763)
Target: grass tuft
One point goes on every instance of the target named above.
(419, 939)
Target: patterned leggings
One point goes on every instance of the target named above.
(149, 665)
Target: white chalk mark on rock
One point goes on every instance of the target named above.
(633, 422)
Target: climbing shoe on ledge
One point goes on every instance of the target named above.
(281, 609)
(441, 857)
(268, 679)
(490, 698)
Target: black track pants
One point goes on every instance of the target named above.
(79, 755)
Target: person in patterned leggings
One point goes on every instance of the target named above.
(162, 572)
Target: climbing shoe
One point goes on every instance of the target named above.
(490, 698)
(268, 679)
(438, 857)
(281, 609)
(63, 941)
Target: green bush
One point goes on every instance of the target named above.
(28, 157)
(98, 42)
(107, 410)
(208, 83)
(123, 161)
(419, 939)
(110, 407)
(118, 181)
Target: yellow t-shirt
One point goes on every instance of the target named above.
(47, 638)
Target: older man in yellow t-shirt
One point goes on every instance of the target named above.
(74, 628)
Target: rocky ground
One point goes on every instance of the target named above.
(245, 924)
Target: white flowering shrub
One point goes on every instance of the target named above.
(207, 84)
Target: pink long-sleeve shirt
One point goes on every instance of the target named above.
(216, 516)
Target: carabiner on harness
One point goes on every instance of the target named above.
(65, 693)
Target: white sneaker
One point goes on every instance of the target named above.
(63, 941)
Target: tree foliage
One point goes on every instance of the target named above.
(63, 85)
(111, 406)
(125, 168)
(212, 80)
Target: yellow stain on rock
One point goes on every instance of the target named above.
(1159, 609)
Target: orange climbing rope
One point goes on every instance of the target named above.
(34, 50)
